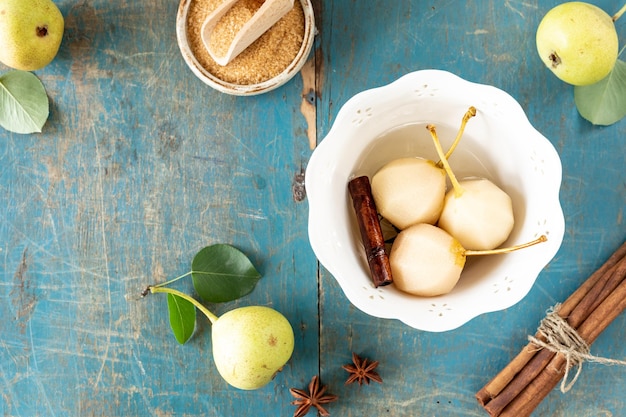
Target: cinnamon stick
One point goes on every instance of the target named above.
(611, 307)
(538, 361)
(602, 287)
(497, 384)
(598, 294)
(530, 362)
(370, 230)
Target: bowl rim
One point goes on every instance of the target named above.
(320, 169)
(245, 89)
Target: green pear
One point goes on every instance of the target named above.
(578, 42)
(250, 345)
(30, 33)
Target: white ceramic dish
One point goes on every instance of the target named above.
(500, 144)
(247, 89)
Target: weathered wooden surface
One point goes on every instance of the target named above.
(140, 165)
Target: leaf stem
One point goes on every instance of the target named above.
(212, 317)
(619, 13)
(171, 281)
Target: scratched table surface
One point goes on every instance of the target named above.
(141, 164)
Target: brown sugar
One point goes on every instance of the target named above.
(230, 24)
(267, 57)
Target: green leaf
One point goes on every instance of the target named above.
(24, 106)
(182, 317)
(223, 273)
(604, 102)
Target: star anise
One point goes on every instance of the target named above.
(313, 398)
(362, 371)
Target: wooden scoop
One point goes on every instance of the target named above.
(269, 13)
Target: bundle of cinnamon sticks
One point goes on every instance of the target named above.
(519, 388)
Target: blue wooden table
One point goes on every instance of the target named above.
(140, 165)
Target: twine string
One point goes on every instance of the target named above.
(564, 339)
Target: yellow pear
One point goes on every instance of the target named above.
(578, 42)
(30, 33)
(250, 345)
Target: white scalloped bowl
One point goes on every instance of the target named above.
(381, 124)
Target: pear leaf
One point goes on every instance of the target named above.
(604, 102)
(24, 106)
(182, 317)
(223, 273)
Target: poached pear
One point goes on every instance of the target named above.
(476, 211)
(250, 345)
(30, 33)
(408, 191)
(427, 261)
(481, 218)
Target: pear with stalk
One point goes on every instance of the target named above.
(427, 261)
(250, 344)
(410, 190)
(475, 211)
(578, 42)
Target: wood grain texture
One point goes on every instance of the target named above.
(488, 42)
(140, 165)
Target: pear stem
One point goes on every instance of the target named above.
(212, 317)
(458, 190)
(542, 238)
(619, 13)
(471, 112)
